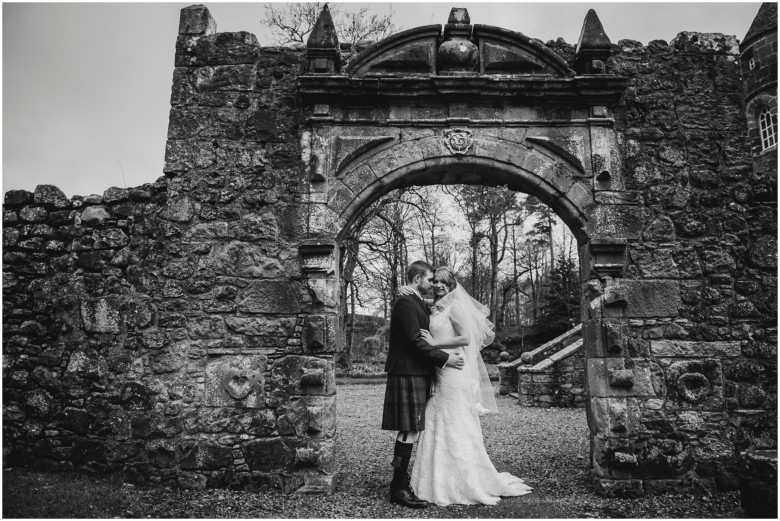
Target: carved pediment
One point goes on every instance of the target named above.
(509, 52)
(417, 51)
(408, 52)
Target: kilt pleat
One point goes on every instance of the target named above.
(405, 400)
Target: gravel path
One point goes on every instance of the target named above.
(546, 447)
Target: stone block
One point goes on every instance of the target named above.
(137, 396)
(207, 456)
(661, 229)
(694, 349)
(662, 458)
(39, 403)
(696, 384)
(94, 215)
(236, 380)
(268, 455)
(170, 359)
(320, 333)
(272, 296)
(261, 326)
(758, 483)
(179, 209)
(101, 316)
(316, 453)
(110, 238)
(613, 415)
(654, 262)
(622, 221)
(240, 259)
(16, 197)
(196, 20)
(309, 416)
(324, 291)
(646, 377)
(48, 194)
(287, 374)
(87, 366)
(763, 253)
(649, 299)
(206, 327)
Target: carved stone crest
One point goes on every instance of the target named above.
(458, 140)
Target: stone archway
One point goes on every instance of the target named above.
(525, 119)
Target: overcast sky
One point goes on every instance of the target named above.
(86, 87)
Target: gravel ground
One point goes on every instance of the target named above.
(546, 447)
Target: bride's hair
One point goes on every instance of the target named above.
(445, 274)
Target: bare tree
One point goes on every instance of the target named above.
(293, 22)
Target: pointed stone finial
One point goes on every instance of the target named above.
(459, 15)
(322, 47)
(323, 36)
(593, 47)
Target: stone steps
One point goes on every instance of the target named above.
(508, 371)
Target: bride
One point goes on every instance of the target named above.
(452, 465)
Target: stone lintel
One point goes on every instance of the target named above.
(585, 90)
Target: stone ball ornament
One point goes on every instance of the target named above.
(526, 358)
(458, 55)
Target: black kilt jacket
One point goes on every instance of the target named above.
(409, 354)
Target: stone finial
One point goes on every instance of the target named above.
(322, 47)
(196, 20)
(459, 15)
(593, 47)
(323, 36)
(458, 55)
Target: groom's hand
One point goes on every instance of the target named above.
(455, 360)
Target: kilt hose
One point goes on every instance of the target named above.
(405, 400)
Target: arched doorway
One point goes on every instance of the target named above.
(407, 112)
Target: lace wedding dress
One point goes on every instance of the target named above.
(452, 465)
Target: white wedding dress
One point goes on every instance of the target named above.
(452, 465)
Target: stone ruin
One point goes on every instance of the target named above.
(184, 332)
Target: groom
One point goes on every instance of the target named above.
(410, 367)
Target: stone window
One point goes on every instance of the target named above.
(767, 124)
(752, 63)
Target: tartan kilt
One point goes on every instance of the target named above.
(405, 400)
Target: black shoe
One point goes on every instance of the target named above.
(404, 498)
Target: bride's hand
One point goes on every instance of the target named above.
(426, 335)
(405, 290)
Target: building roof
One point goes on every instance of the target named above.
(765, 20)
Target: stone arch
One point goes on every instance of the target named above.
(496, 161)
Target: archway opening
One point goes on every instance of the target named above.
(511, 251)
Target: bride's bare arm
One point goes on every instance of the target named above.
(406, 290)
(460, 339)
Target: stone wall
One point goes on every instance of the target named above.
(159, 331)
(689, 336)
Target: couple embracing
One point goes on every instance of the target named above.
(437, 387)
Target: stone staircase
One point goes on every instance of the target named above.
(552, 375)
